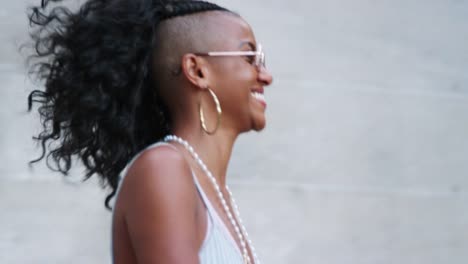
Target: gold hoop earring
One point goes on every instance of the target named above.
(218, 110)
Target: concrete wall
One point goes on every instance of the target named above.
(364, 160)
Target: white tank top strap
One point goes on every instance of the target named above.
(215, 218)
(203, 196)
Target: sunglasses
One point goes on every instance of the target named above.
(258, 55)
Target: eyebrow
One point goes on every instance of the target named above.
(251, 45)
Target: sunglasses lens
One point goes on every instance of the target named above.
(260, 57)
(260, 60)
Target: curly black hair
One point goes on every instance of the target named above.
(100, 103)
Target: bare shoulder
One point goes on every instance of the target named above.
(158, 172)
(158, 203)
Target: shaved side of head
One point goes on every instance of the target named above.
(177, 36)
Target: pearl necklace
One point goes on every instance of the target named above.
(240, 232)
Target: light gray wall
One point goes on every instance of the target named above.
(364, 160)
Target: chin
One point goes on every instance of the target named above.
(258, 129)
(259, 125)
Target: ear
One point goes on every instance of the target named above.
(195, 69)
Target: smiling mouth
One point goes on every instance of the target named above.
(259, 97)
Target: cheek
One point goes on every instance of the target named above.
(237, 86)
(239, 75)
(234, 81)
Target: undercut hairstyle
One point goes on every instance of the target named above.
(100, 103)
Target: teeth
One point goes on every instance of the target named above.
(258, 96)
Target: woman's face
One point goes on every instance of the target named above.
(237, 81)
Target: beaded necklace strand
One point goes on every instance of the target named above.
(241, 231)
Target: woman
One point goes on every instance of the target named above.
(151, 96)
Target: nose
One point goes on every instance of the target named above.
(264, 76)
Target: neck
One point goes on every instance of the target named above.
(214, 150)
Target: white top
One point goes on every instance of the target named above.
(218, 246)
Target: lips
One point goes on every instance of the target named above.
(259, 96)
